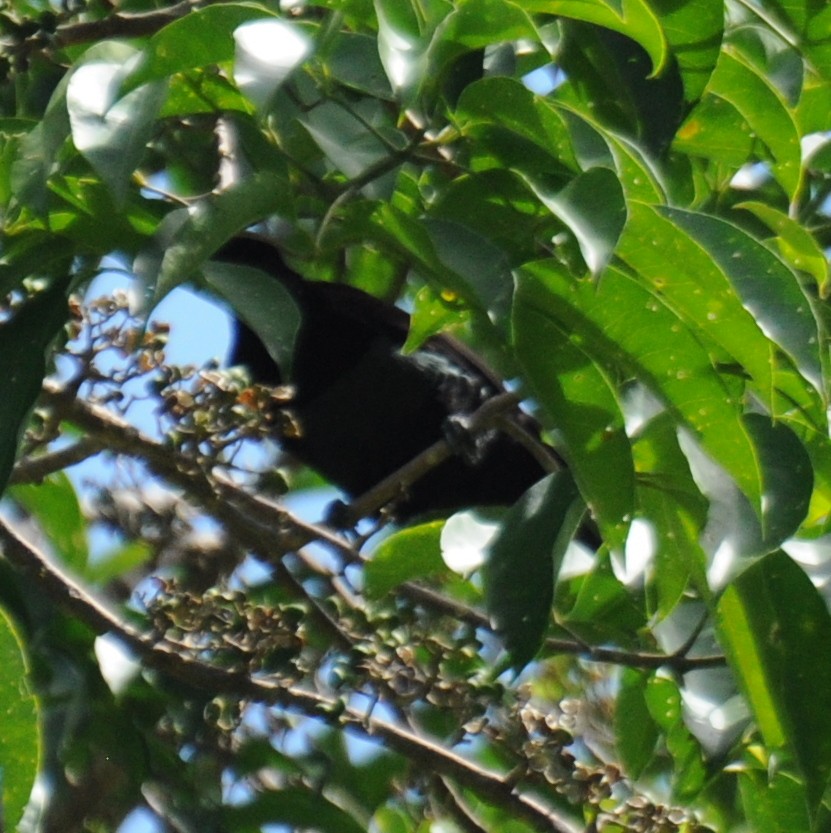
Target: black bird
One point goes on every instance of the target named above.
(362, 409)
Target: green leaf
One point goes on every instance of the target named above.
(55, 505)
(694, 32)
(351, 137)
(410, 554)
(787, 477)
(767, 288)
(483, 267)
(24, 341)
(353, 59)
(201, 230)
(805, 23)
(664, 702)
(774, 802)
(524, 560)
(636, 734)
(200, 38)
(633, 18)
(476, 24)
(592, 205)
(771, 620)
(513, 109)
(676, 509)
(115, 563)
(581, 403)
(263, 303)
(696, 279)
(629, 330)
(110, 130)
(20, 740)
(795, 243)
(751, 93)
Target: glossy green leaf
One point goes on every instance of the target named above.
(716, 131)
(20, 741)
(774, 801)
(476, 24)
(507, 213)
(474, 258)
(412, 553)
(24, 341)
(767, 288)
(694, 32)
(787, 477)
(603, 609)
(771, 620)
(633, 18)
(806, 23)
(197, 233)
(350, 144)
(698, 284)
(581, 403)
(638, 176)
(403, 37)
(676, 509)
(524, 560)
(737, 81)
(203, 37)
(506, 103)
(353, 59)
(636, 734)
(592, 205)
(631, 331)
(796, 244)
(55, 505)
(665, 706)
(111, 130)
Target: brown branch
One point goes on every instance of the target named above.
(35, 469)
(122, 25)
(166, 658)
(269, 530)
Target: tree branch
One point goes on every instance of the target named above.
(166, 658)
(270, 531)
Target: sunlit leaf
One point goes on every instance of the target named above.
(766, 287)
(412, 553)
(636, 734)
(738, 82)
(19, 726)
(676, 509)
(771, 619)
(592, 205)
(109, 129)
(267, 52)
(55, 505)
(795, 243)
(203, 37)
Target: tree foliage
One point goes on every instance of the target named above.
(623, 205)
